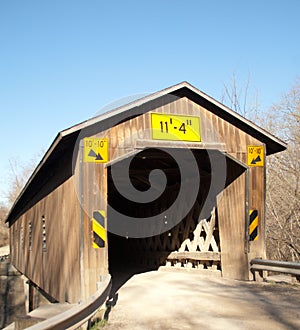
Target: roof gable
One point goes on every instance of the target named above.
(66, 139)
(184, 89)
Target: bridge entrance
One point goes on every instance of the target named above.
(194, 240)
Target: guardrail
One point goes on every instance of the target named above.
(285, 267)
(78, 315)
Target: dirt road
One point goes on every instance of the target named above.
(189, 300)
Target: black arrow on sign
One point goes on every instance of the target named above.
(98, 157)
(257, 160)
(93, 154)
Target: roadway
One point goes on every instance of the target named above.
(189, 300)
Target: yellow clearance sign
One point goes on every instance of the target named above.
(256, 156)
(175, 127)
(95, 150)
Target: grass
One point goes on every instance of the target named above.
(98, 324)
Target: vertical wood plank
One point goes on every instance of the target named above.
(231, 215)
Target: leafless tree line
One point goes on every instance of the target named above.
(283, 169)
(18, 176)
(283, 180)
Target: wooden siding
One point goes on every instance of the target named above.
(231, 214)
(257, 202)
(56, 267)
(95, 261)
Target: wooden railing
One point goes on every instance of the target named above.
(78, 315)
(285, 267)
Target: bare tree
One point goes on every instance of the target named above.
(283, 181)
(283, 169)
(17, 178)
(243, 100)
(3, 226)
(19, 173)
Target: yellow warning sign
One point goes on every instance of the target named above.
(175, 127)
(95, 150)
(256, 156)
(99, 232)
(253, 225)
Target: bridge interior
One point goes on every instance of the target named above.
(128, 256)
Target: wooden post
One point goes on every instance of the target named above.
(81, 220)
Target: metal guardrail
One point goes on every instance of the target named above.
(78, 315)
(285, 267)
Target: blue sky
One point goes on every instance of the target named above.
(62, 61)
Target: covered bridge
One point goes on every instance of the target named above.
(173, 179)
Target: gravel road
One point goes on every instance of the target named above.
(189, 300)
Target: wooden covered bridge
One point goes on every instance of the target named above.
(173, 179)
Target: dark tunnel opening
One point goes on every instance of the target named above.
(129, 256)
